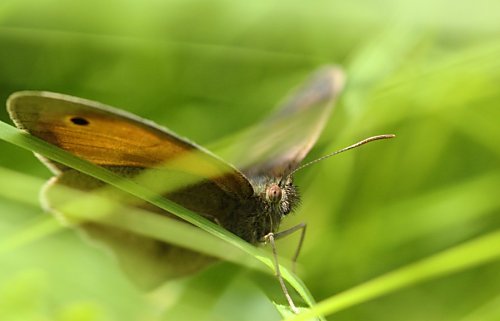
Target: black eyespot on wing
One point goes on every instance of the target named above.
(80, 121)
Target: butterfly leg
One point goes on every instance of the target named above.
(270, 238)
(302, 227)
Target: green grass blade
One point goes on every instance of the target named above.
(482, 250)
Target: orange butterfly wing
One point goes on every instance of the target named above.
(110, 137)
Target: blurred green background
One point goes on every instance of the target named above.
(428, 71)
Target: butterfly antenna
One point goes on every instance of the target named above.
(364, 141)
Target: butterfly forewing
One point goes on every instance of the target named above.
(110, 137)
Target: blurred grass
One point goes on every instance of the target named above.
(427, 71)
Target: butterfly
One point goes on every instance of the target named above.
(249, 196)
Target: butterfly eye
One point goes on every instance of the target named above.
(80, 121)
(273, 193)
